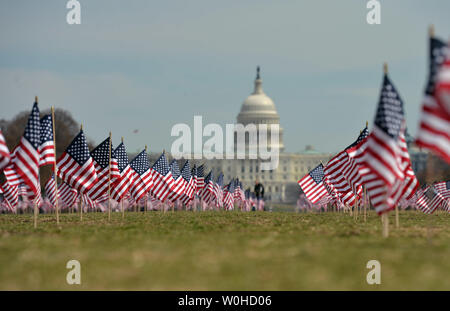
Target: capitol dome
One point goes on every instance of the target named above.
(258, 107)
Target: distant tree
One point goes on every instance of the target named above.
(65, 127)
(436, 170)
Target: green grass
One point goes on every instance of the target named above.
(224, 251)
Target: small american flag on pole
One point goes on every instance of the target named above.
(443, 188)
(26, 156)
(162, 178)
(76, 166)
(312, 184)
(4, 152)
(100, 155)
(386, 155)
(434, 128)
(142, 180)
(121, 185)
(47, 146)
(188, 194)
(179, 183)
(208, 189)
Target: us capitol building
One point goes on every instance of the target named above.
(281, 183)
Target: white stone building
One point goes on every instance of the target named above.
(280, 184)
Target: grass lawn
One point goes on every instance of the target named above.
(224, 251)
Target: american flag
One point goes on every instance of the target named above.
(76, 167)
(312, 184)
(443, 188)
(11, 195)
(141, 181)
(218, 191)
(50, 190)
(434, 129)
(200, 177)
(67, 194)
(190, 185)
(47, 145)
(87, 201)
(26, 156)
(100, 155)
(179, 183)
(34, 198)
(11, 175)
(334, 176)
(162, 178)
(228, 197)
(386, 155)
(121, 185)
(430, 200)
(4, 152)
(207, 193)
(238, 191)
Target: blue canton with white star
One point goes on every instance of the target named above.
(33, 128)
(46, 129)
(161, 165)
(437, 57)
(209, 177)
(186, 171)
(389, 116)
(220, 180)
(101, 153)
(317, 174)
(201, 171)
(364, 133)
(122, 157)
(78, 149)
(140, 163)
(175, 169)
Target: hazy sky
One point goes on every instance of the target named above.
(147, 65)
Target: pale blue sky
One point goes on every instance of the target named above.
(150, 64)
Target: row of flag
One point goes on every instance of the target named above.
(104, 173)
(379, 161)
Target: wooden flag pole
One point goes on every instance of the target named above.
(431, 31)
(146, 197)
(365, 204)
(121, 200)
(81, 207)
(109, 179)
(385, 224)
(397, 222)
(55, 168)
(35, 213)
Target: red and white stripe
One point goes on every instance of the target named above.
(163, 185)
(140, 184)
(434, 129)
(313, 191)
(11, 195)
(179, 187)
(47, 153)
(103, 179)
(26, 163)
(81, 178)
(335, 176)
(4, 152)
(50, 190)
(67, 194)
(389, 161)
(121, 185)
